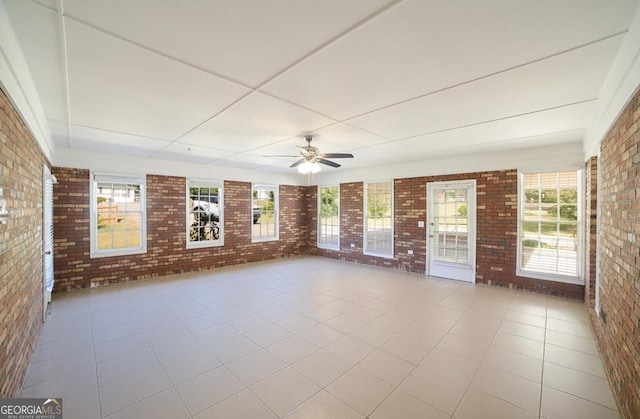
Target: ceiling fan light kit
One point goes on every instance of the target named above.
(312, 158)
(309, 167)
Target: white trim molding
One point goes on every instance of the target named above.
(16, 80)
(621, 83)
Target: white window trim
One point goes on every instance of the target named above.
(206, 183)
(93, 215)
(276, 213)
(366, 218)
(324, 245)
(567, 279)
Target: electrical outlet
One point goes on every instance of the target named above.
(353, 245)
(410, 252)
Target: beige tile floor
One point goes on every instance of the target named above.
(314, 338)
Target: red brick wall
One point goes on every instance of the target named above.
(21, 244)
(591, 233)
(619, 337)
(496, 231)
(166, 232)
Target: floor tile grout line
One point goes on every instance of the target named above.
(352, 301)
(481, 362)
(544, 353)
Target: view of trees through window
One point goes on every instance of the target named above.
(264, 207)
(329, 220)
(549, 222)
(379, 218)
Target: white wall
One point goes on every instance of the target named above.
(562, 156)
(16, 81)
(620, 85)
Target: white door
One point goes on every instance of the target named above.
(47, 209)
(451, 233)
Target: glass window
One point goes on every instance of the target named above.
(118, 221)
(549, 226)
(204, 213)
(264, 209)
(329, 217)
(378, 230)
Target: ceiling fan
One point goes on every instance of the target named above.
(311, 156)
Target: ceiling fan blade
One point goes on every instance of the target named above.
(299, 162)
(327, 162)
(337, 155)
(280, 155)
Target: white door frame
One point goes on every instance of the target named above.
(468, 273)
(47, 240)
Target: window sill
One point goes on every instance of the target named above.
(265, 239)
(379, 255)
(205, 244)
(328, 247)
(109, 254)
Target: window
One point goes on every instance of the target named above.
(329, 217)
(549, 226)
(118, 218)
(378, 225)
(264, 211)
(204, 213)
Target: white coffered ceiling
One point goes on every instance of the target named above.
(227, 82)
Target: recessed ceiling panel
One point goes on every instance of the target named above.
(568, 78)
(288, 147)
(37, 30)
(564, 119)
(52, 4)
(248, 161)
(527, 143)
(244, 40)
(118, 86)
(191, 153)
(337, 138)
(343, 137)
(113, 142)
(420, 47)
(255, 121)
(382, 154)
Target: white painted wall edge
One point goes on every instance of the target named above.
(621, 83)
(549, 158)
(16, 80)
(134, 165)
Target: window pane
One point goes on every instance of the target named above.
(549, 223)
(328, 219)
(264, 212)
(119, 215)
(379, 218)
(204, 206)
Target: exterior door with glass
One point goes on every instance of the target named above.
(451, 232)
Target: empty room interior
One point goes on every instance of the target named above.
(321, 209)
